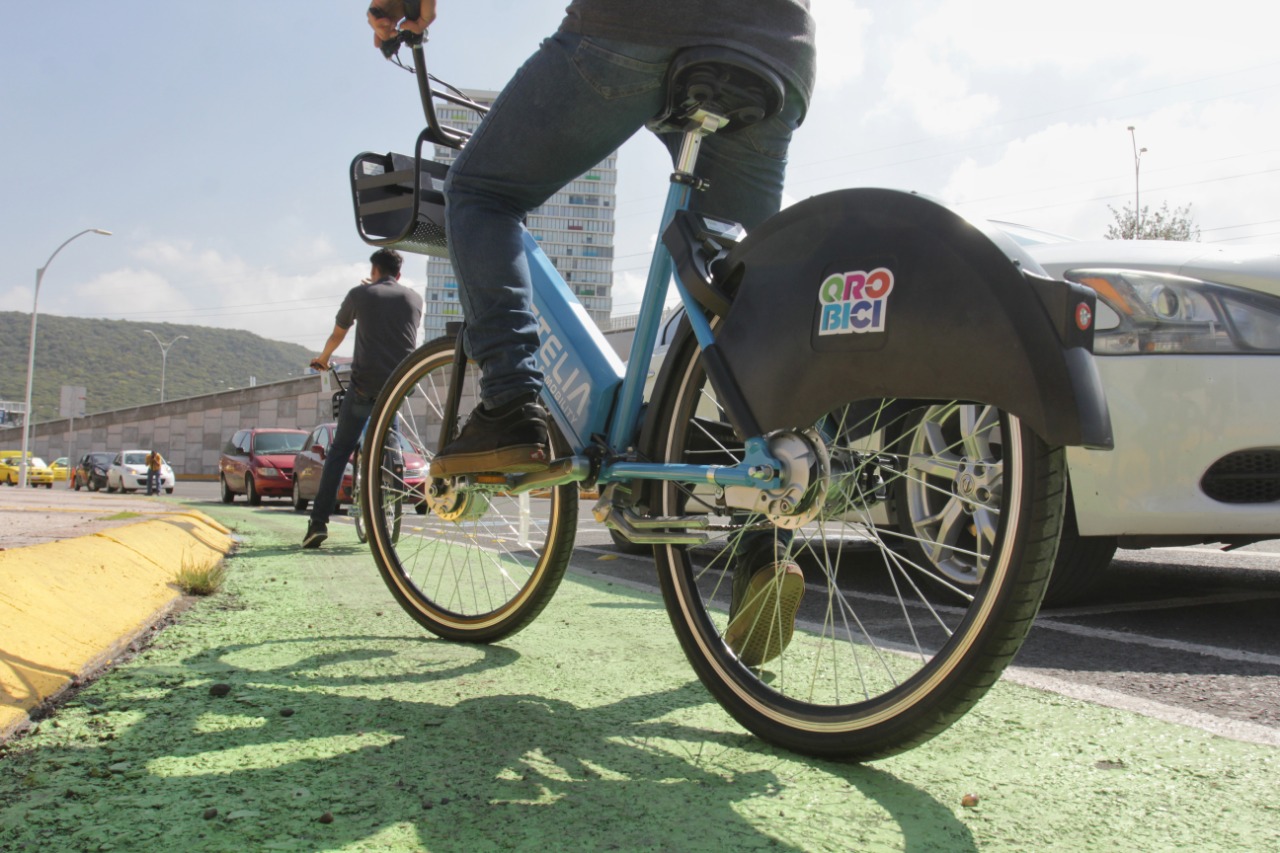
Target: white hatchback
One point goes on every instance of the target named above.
(128, 473)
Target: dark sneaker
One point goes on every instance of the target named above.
(766, 598)
(316, 533)
(512, 440)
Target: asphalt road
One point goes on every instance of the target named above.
(299, 709)
(1186, 635)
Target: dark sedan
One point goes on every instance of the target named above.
(91, 471)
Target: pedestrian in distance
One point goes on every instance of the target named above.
(386, 315)
(154, 463)
(605, 71)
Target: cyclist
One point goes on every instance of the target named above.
(605, 67)
(386, 315)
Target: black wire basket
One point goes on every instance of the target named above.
(399, 202)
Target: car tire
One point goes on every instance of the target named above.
(10, 482)
(1081, 565)
(251, 491)
(224, 490)
(299, 503)
(169, 490)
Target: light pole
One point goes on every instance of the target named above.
(1137, 162)
(164, 355)
(31, 350)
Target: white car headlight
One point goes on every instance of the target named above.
(1145, 313)
(269, 472)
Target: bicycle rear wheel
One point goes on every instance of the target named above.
(393, 499)
(888, 649)
(480, 564)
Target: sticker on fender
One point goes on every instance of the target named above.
(855, 302)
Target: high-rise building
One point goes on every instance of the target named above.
(574, 228)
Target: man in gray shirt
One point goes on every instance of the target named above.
(386, 315)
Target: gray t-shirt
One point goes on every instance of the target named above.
(386, 314)
(779, 33)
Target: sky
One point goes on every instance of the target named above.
(213, 139)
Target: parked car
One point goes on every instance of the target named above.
(38, 473)
(309, 464)
(91, 472)
(258, 463)
(1188, 348)
(128, 472)
(59, 468)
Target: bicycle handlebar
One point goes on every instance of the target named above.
(441, 134)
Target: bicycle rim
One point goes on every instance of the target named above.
(479, 565)
(888, 648)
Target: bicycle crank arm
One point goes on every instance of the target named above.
(570, 469)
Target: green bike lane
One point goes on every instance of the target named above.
(299, 709)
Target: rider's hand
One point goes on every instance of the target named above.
(383, 16)
(319, 364)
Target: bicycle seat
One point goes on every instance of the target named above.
(722, 81)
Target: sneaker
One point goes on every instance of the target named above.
(510, 440)
(762, 615)
(317, 532)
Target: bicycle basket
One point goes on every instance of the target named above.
(398, 201)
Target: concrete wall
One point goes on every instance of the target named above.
(190, 432)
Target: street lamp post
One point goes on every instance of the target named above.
(1137, 162)
(164, 355)
(31, 351)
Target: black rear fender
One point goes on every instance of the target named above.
(870, 293)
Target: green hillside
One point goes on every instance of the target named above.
(118, 363)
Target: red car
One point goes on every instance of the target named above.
(258, 463)
(309, 464)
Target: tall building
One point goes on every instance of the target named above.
(574, 228)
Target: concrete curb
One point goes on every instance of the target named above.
(67, 608)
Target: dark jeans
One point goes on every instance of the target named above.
(570, 105)
(346, 437)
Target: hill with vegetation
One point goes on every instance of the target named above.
(118, 363)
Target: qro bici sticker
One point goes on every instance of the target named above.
(855, 302)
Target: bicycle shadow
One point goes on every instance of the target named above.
(150, 749)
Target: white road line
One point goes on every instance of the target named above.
(1157, 604)
(1221, 726)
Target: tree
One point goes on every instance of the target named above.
(1164, 224)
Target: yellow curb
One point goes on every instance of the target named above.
(68, 607)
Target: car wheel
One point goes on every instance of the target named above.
(11, 482)
(227, 495)
(169, 490)
(1081, 564)
(251, 491)
(299, 503)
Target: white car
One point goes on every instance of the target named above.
(1188, 348)
(128, 473)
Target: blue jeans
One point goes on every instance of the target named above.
(153, 482)
(352, 417)
(569, 106)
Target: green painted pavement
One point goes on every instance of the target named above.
(585, 732)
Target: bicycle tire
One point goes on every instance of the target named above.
(356, 509)
(882, 658)
(477, 566)
(394, 510)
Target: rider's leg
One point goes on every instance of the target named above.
(571, 104)
(351, 420)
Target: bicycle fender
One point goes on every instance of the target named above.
(872, 293)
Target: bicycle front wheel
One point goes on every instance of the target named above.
(480, 564)
(899, 629)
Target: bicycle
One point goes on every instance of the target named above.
(860, 349)
(393, 498)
